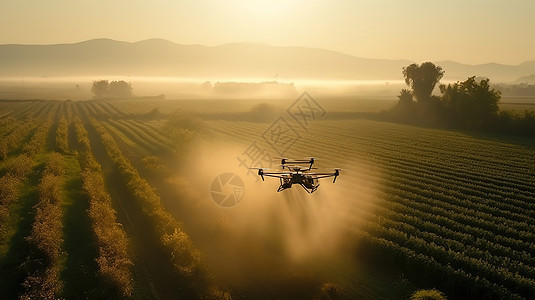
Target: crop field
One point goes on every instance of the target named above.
(112, 199)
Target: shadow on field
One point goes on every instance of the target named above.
(12, 273)
(80, 266)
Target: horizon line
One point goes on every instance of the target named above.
(259, 44)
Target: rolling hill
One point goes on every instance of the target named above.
(158, 57)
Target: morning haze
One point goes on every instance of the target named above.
(471, 32)
(267, 149)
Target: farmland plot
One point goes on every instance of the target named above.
(413, 207)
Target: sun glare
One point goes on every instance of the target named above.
(265, 9)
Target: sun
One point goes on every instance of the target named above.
(266, 9)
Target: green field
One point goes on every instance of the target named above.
(130, 212)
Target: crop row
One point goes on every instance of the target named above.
(455, 202)
(172, 237)
(148, 135)
(123, 138)
(383, 252)
(507, 264)
(450, 195)
(67, 110)
(141, 140)
(7, 125)
(38, 140)
(16, 137)
(445, 157)
(46, 238)
(437, 224)
(457, 233)
(489, 198)
(18, 169)
(463, 251)
(183, 255)
(112, 110)
(424, 138)
(62, 136)
(152, 140)
(113, 258)
(488, 238)
(7, 108)
(477, 267)
(27, 111)
(400, 167)
(444, 147)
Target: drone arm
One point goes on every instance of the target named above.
(275, 175)
(324, 175)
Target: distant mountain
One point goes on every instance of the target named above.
(157, 57)
(526, 79)
(496, 72)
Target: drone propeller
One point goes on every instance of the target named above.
(260, 171)
(307, 158)
(336, 174)
(291, 165)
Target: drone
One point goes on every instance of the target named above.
(297, 171)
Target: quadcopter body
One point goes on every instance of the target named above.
(298, 172)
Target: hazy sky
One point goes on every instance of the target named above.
(468, 31)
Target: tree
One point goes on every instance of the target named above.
(120, 89)
(470, 101)
(405, 97)
(100, 88)
(422, 79)
(115, 89)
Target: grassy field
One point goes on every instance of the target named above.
(133, 215)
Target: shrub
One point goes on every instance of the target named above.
(432, 294)
(331, 291)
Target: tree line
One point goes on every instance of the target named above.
(115, 89)
(469, 104)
